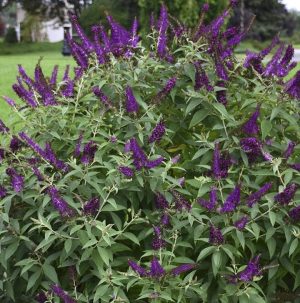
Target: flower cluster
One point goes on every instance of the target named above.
(91, 207)
(240, 224)
(253, 198)
(213, 200)
(89, 151)
(159, 239)
(180, 202)
(251, 127)
(285, 197)
(126, 171)
(253, 148)
(165, 91)
(158, 131)
(106, 102)
(16, 179)
(215, 235)
(201, 78)
(232, 200)
(62, 294)
(3, 129)
(221, 163)
(131, 103)
(289, 150)
(160, 201)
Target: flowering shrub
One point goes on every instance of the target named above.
(170, 175)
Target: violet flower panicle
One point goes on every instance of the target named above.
(89, 151)
(78, 144)
(240, 224)
(175, 159)
(15, 179)
(9, 101)
(156, 270)
(154, 163)
(131, 103)
(286, 196)
(126, 171)
(91, 207)
(141, 271)
(98, 47)
(232, 200)
(162, 94)
(165, 220)
(213, 200)
(158, 131)
(62, 294)
(3, 128)
(254, 198)
(289, 150)
(98, 93)
(252, 269)
(40, 297)
(252, 148)
(159, 239)
(221, 94)
(215, 235)
(180, 202)
(2, 191)
(251, 127)
(183, 268)
(201, 78)
(294, 214)
(140, 159)
(160, 201)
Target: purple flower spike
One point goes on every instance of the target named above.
(139, 156)
(154, 163)
(3, 129)
(221, 94)
(285, 197)
(78, 144)
(127, 147)
(152, 20)
(37, 173)
(253, 198)
(165, 91)
(24, 76)
(215, 235)
(160, 201)
(106, 102)
(126, 171)
(295, 166)
(41, 297)
(62, 294)
(137, 268)
(221, 71)
(131, 103)
(165, 220)
(53, 77)
(251, 127)
(221, 163)
(289, 150)
(252, 148)
(201, 78)
(2, 191)
(10, 101)
(156, 270)
(213, 200)
(180, 202)
(233, 200)
(240, 224)
(294, 214)
(175, 159)
(158, 131)
(182, 268)
(251, 270)
(60, 204)
(72, 272)
(91, 208)
(205, 7)
(89, 152)
(98, 47)
(159, 239)
(113, 139)
(16, 179)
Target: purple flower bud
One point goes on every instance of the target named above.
(253, 198)
(2, 191)
(131, 103)
(37, 173)
(62, 294)
(294, 214)
(165, 220)
(91, 208)
(159, 239)
(98, 47)
(221, 163)
(165, 91)
(154, 295)
(205, 7)
(53, 77)
(201, 78)
(251, 127)
(289, 150)
(154, 163)
(156, 270)
(72, 272)
(295, 166)
(137, 268)
(215, 235)
(175, 159)
(106, 102)
(158, 131)
(10, 101)
(285, 197)
(89, 152)
(240, 224)
(180, 202)
(181, 181)
(113, 139)
(16, 179)
(126, 171)
(78, 144)
(160, 201)
(152, 20)
(221, 71)
(182, 268)
(3, 129)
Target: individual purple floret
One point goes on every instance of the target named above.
(139, 156)
(60, 204)
(10, 101)
(183, 268)
(141, 271)
(16, 179)
(251, 127)
(253, 198)
(154, 163)
(165, 91)
(159, 239)
(37, 173)
(251, 146)
(160, 201)
(89, 152)
(221, 94)
(165, 220)
(3, 129)
(215, 235)
(294, 214)
(131, 103)
(232, 200)
(180, 202)
(78, 144)
(251, 270)
(285, 197)
(62, 294)
(106, 102)
(72, 272)
(176, 159)
(91, 208)
(86, 42)
(126, 171)
(201, 78)
(213, 200)
(240, 224)
(2, 191)
(41, 297)
(156, 270)
(158, 131)
(289, 150)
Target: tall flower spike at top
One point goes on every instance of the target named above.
(131, 103)
(163, 25)
(251, 127)
(98, 47)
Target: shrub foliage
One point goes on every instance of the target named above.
(168, 175)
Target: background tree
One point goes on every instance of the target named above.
(271, 17)
(2, 27)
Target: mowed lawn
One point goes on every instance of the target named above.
(9, 71)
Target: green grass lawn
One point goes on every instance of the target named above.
(9, 71)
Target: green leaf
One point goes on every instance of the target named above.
(132, 237)
(104, 255)
(33, 279)
(11, 249)
(217, 258)
(293, 246)
(272, 217)
(256, 230)
(9, 289)
(192, 105)
(199, 153)
(90, 243)
(205, 252)
(271, 243)
(287, 264)
(274, 113)
(266, 127)
(199, 116)
(100, 292)
(50, 272)
(241, 238)
(68, 245)
(270, 233)
(190, 71)
(297, 281)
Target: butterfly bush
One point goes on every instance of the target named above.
(168, 175)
